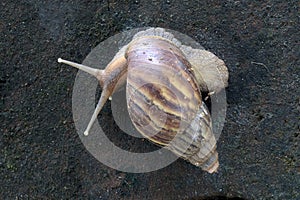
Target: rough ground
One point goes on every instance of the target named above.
(41, 156)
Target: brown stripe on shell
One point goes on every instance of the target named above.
(162, 108)
(160, 96)
(177, 79)
(190, 141)
(159, 75)
(148, 124)
(148, 105)
(197, 144)
(144, 72)
(156, 134)
(166, 63)
(161, 52)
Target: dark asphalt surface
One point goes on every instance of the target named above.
(41, 155)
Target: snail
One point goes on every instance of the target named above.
(164, 80)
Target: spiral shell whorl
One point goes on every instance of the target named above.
(164, 101)
(162, 95)
(197, 143)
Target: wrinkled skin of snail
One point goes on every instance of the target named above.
(164, 80)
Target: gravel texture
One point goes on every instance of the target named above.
(41, 155)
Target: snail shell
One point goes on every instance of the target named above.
(164, 80)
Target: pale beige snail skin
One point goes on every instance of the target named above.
(164, 80)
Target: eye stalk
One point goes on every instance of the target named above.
(107, 79)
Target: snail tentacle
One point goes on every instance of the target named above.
(104, 96)
(92, 71)
(110, 80)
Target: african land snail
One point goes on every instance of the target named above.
(164, 80)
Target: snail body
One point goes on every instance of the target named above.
(164, 80)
